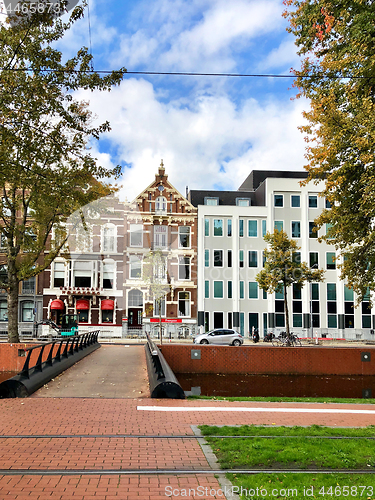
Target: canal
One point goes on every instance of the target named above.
(226, 385)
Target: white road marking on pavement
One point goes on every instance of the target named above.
(242, 409)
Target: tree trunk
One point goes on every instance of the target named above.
(286, 312)
(12, 307)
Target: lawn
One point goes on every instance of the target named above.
(303, 448)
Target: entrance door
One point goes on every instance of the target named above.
(134, 317)
(253, 322)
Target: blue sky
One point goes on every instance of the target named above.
(210, 131)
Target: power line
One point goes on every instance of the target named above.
(186, 73)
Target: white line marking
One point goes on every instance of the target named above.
(265, 410)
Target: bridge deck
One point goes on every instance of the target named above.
(113, 371)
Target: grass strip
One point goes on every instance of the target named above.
(297, 453)
(369, 401)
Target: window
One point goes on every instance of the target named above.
(184, 268)
(349, 307)
(135, 298)
(296, 229)
(253, 290)
(264, 227)
(314, 260)
(218, 227)
(297, 292)
(135, 266)
(278, 200)
(279, 225)
(296, 257)
(241, 258)
(253, 258)
(264, 258)
(229, 258)
(183, 304)
(243, 202)
(108, 275)
(328, 204)
(3, 241)
(82, 274)
(160, 236)
(253, 228)
(218, 290)
(218, 320)
(6, 207)
(230, 295)
(3, 310)
(207, 227)
(242, 289)
(136, 235)
(108, 239)
(313, 232)
(160, 205)
(83, 239)
(331, 260)
(28, 286)
(27, 308)
(211, 201)
(3, 273)
(206, 289)
(159, 307)
(314, 291)
(184, 237)
(295, 200)
(107, 316)
(297, 320)
(331, 291)
(313, 201)
(241, 228)
(329, 228)
(218, 258)
(206, 258)
(58, 274)
(229, 227)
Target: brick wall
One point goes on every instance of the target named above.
(270, 360)
(12, 361)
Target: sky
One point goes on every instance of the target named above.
(211, 132)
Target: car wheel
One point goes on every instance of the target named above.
(204, 341)
(236, 342)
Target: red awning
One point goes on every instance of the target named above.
(107, 305)
(82, 304)
(57, 304)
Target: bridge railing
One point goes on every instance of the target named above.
(163, 382)
(46, 361)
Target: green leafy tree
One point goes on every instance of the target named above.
(46, 169)
(336, 40)
(282, 268)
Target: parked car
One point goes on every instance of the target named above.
(219, 336)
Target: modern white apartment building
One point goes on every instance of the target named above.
(231, 226)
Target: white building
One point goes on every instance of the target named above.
(231, 226)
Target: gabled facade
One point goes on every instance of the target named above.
(161, 221)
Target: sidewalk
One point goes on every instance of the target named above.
(106, 449)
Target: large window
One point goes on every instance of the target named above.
(218, 258)
(253, 228)
(279, 225)
(183, 304)
(82, 274)
(278, 200)
(313, 231)
(58, 274)
(218, 227)
(218, 289)
(84, 239)
(27, 311)
(253, 290)
(313, 201)
(253, 258)
(160, 204)
(108, 275)
(3, 310)
(206, 258)
(295, 200)
(135, 264)
(314, 260)
(108, 239)
(331, 260)
(184, 268)
(160, 236)
(207, 227)
(28, 286)
(331, 305)
(136, 235)
(211, 201)
(159, 307)
(296, 229)
(184, 237)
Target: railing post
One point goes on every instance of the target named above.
(65, 353)
(38, 367)
(50, 359)
(25, 369)
(58, 354)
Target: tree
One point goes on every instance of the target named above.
(336, 40)
(155, 274)
(283, 268)
(46, 169)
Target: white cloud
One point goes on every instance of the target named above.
(196, 141)
(285, 55)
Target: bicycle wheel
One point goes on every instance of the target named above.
(275, 341)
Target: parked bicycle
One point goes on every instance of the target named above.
(284, 340)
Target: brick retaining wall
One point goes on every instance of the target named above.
(13, 356)
(270, 360)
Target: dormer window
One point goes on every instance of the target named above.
(161, 204)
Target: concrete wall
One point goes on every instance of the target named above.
(271, 360)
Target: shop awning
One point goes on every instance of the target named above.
(107, 305)
(82, 305)
(57, 304)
